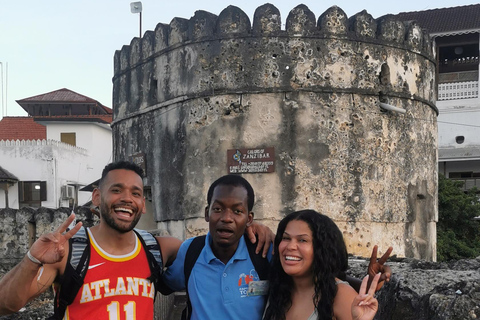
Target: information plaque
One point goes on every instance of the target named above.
(261, 160)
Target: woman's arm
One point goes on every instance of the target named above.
(342, 304)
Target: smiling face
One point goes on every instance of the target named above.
(296, 249)
(228, 216)
(120, 199)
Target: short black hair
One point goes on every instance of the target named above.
(236, 181)
(127, 165)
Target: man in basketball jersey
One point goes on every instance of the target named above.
(116, 285)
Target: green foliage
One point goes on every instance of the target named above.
(458, 236)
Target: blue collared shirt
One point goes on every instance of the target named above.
(216, 290)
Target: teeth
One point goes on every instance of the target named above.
(124, 210)
(291, 258)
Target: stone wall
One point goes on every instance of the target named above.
(188, 91)
(20, 228)
(421, 290)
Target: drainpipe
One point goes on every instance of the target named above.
(392, 108)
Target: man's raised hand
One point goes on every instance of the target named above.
(265, 236)
(50, 247)
(379, 267)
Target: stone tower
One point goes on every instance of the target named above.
(190, 92)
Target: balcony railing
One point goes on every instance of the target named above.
(468, 183)
(458, 90)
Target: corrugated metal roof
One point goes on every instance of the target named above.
(21, 128)
(445, 19)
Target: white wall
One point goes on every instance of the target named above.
(459, 118)
(51, 161)
(58, 163)
(96, 138)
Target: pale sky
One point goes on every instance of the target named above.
(54, 44)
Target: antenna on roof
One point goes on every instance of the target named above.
(136, 7)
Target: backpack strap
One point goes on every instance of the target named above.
(75, 270)
(261, 264)
(154, 256)
(191, 257)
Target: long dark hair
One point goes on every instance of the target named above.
(330, 261)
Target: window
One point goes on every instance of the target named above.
(470, 179)
(460, 139)
(467, 174)
(455, 58)
(32, 193)
(68, 137)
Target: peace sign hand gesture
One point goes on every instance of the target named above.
(379, 266)
(365, 305)
(50, 247)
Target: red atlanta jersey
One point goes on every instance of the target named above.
(115, 287)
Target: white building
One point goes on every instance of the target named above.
(62, 145)
(456, 33)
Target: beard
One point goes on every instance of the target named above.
(104, 213)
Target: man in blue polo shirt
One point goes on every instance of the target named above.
(218, 286)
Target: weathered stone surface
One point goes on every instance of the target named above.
(266, 20)
(363, 24)
(232, 20)
(312, 92)
(39, 309)
(202, 25)
(20, 228)
(334, 20)
(300, 21)
(424, 290)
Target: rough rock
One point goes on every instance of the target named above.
(423, 290)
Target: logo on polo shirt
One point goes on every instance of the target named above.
(244, 279)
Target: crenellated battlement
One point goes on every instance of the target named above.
(233, 22)
(226, 53)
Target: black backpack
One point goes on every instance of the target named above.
(78, 261)
(261, 264)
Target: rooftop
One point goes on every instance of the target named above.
(444, 20)
(21, 128)
(6, 176)
(78, 103)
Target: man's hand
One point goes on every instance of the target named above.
(50, 247)
(264, 234)
(378, 267)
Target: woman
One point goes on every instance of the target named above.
(308, 272)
